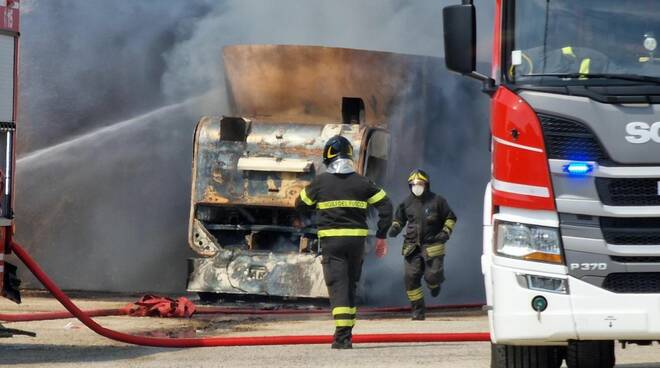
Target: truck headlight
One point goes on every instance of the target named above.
(528, 242)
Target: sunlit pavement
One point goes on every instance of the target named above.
(67, 343)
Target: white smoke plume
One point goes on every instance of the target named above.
(117, 202)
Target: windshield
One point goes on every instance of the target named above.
(570, 37)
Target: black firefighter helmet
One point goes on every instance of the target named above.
(337, 147)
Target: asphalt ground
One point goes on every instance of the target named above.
(67, 343)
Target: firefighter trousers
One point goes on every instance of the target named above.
(342, 267)
(416, 266)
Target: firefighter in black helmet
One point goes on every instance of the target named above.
(428, 223)
(341, 198)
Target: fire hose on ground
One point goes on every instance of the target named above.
(86, 319)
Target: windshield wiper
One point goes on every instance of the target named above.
(626, 77)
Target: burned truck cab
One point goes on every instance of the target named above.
(249, 166)
(247, 176)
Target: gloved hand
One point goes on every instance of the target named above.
(395, 229)
(381, 248)
(442, 237)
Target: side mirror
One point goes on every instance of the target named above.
(460, 30)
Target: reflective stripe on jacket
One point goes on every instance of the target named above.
(342, 202)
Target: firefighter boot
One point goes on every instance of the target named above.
(343, 338)
(435, 290)
(418, 311)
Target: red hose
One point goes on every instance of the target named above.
(226, 310)
(47, 316)
(226, 341)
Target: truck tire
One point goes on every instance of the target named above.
(509, 356)
(590, 354)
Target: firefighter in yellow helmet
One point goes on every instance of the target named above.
(341, 198)
(428, 222)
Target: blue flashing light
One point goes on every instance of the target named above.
(578, 168)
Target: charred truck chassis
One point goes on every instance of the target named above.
(247, 176)
(248, 170)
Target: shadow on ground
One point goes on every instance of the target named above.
(38, 353)
(402, 345)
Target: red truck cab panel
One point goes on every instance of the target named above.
(521, 177)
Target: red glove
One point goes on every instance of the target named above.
(381, 248)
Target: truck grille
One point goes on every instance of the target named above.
(570, 140)
(631, 231)
(628, 192)
(633, 282)
(635, 259)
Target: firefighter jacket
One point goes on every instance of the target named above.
(428, 223)
(566, 59)
(342, 202)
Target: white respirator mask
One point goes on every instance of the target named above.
(418, 189)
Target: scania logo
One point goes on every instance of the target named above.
(640, 132)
